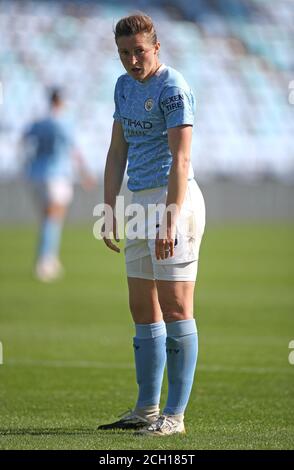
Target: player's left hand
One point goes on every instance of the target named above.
(164, 245)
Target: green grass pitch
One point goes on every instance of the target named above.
(67, 348)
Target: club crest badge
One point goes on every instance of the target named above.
(148, 104)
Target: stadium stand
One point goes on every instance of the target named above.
(238, 57)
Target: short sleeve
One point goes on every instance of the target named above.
(177, 105)
(116, 114)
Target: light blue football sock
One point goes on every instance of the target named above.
(182, 350)
(50, 238)
(150, 358)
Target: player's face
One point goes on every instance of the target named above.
(138, 55)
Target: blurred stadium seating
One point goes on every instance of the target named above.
(237, 56)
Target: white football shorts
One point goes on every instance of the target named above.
(54, 191)
(140, 256)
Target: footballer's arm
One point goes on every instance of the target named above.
(113, 176)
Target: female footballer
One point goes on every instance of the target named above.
(151, 135)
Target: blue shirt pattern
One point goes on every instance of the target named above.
(146, 110)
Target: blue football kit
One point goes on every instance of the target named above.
(146, 110)
(48, 147)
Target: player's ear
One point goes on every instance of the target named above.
(157, 47)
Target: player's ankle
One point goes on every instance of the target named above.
(149, 410)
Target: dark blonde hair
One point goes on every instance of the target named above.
(135, 24)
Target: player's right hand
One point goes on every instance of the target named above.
(107, 238)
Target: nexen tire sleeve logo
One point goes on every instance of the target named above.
(173, 103)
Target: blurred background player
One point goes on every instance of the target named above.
(51, 157)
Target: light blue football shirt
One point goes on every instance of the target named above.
(49, 147)
(146, 110)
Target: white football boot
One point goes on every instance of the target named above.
(48, 269)
(165, 425)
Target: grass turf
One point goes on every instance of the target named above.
(68, 359)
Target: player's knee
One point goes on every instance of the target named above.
(176, 316)
(56, 211)
(173, 310)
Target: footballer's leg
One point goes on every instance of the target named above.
(48, 267)
(175, 281)
(176, 301)
(56, 198)
(149, 346)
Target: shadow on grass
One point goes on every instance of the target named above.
(58, 431)
(46, 431)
